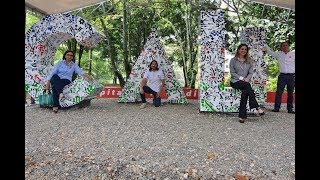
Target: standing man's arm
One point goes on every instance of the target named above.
(272, 53)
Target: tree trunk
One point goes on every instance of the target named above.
(72, 45)
(179, 41)
(193, 70)
(112, 54)
(127, 65)
(80, 54)
(188, 54)
(90, 61)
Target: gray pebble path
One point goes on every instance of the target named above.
(111, 140)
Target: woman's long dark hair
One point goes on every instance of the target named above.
(151, 63)
(246, 57)
(64, 55)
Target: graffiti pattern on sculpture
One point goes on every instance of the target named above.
(211, 86)
(214, 97)
(80, 89)
(153, 50)
(41, 41)
(255, 38)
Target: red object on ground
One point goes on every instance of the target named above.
(272, 95)
(114, 92)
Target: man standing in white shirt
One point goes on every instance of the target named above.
(152, 83)
(286, 77)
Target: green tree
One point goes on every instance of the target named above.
(128, 23)
(31, 19)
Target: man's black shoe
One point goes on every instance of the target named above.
(261, 114)
(275, 110)
(291, 112)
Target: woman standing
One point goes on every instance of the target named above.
(61, 75)
(241, 70)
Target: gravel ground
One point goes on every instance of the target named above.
(111, 140)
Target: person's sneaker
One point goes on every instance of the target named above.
(61, 97)
(275, 110)
(32, 101)
(143, 105)
(55, 109)
(241, 120)
(291, 112)
(260, 112)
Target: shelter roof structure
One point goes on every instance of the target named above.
(287, 4)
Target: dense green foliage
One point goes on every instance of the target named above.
(127, 24)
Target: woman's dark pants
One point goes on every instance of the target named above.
(156, 100)
(246, 92)
(57, 85)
